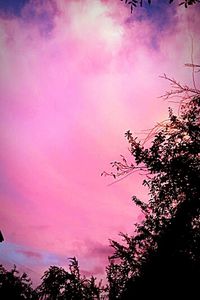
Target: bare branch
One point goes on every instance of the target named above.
(193, 66)
(177, 89)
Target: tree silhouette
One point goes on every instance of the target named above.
(16, 287)
(164, 252)
(58, 283)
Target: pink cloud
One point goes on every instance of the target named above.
(30, 254)
(71, 84)
(95, 271)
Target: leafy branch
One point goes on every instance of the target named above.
(123, 168)
(134, 3)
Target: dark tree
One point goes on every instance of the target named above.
(58, 283)
(16, 287)
(162, 258)
(53, 283)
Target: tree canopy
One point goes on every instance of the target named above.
(15, 286)
(57, 283)
(164, 252)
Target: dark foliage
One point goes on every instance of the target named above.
(134, 3)
(59, 284)
(16, 287)
(164, 253)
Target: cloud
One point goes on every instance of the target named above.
(12, 8)
(30, 254)
(41, 14)
(99, 251)
(96, 271)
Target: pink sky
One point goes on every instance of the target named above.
(75, 75)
